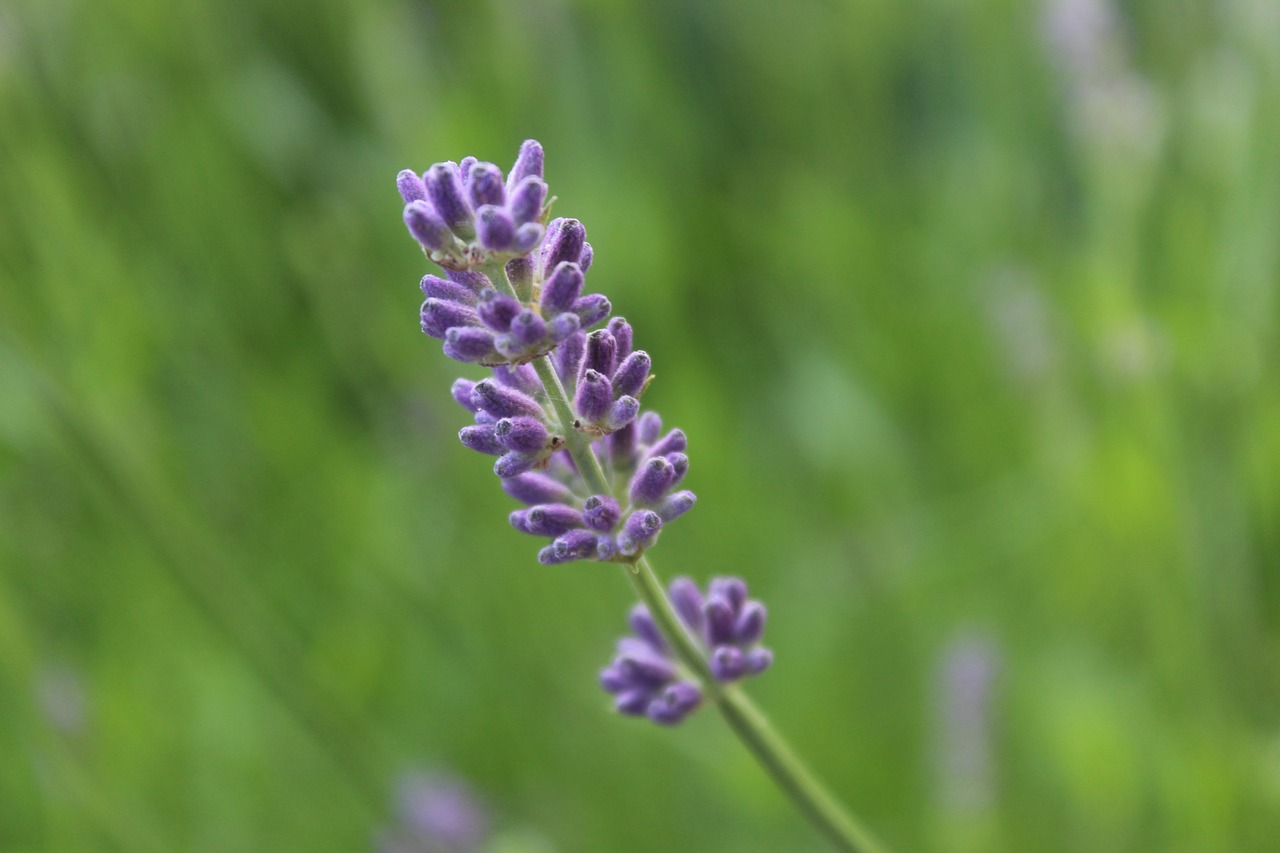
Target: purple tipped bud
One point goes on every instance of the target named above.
(622, 447)
(568, 355)
(631, 702)
(464, 168)
(622, 333)
(553, 519)
(675, 703)
(593, 397)
(512, 463)
(521, 434)
(734, 590)
(649, 427)
(575, 545)
(410, 186)
(591, 309)
(758, 660)
(537, 489)
(485, 186)
(503, 402)
(622, 412)
(727, 664)
(494, 228)
(441, 315)
(687, 600)
(673, 442)
(563, 326)
(528, 328)
(750, 624)
(564, 243)
(641, 621)
(679, 467)
(519, 519)
(547, 557)
(461, 392)
(527, 237)
(497, 310)
(444, 188)
(631, 374)
(605, 547)
(521, 377)
(508, 346)
(614, 680)
(601, 352)
(520, 274)
(586, 256)
(676, 505)
(480, 438)
(639, 531)
(719, 614)
(426, 226)
(528, 163)
(470, 344)
(475, 281)
(562, 288)
(451, 291)
(650, 483)
(526, 200)
(644, 665)
(601, 512)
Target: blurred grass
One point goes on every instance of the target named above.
(949, 356)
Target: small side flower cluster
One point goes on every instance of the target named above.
(512, 293)
(645, 678)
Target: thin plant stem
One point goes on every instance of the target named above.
(788, 772)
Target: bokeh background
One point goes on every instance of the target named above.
(968, 308)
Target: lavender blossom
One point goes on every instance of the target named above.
(435, 813)
(645, 678)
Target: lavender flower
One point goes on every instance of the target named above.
(505, 302)
(479, 226)
(435, 813)
(645, 678)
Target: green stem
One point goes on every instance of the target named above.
(751, 726)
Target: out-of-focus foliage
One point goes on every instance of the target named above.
(969, 311)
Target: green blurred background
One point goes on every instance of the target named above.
(968, 308)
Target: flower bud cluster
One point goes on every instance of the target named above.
(644, 677)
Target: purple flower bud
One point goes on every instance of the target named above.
(426, 226)
(687, 600)
(622, 447)
(641, 622)
(520, 273)
(568, 356)
(586, 256)
(675, 703)
(563, 326)
(521, 377)
(562, 288)
(564, 243)
(442, 288)
(733, 590)
(750, 623)
(508, 347)
(480, 438)
(440, 315)
(649, 427)
(494, 228)
(527, 237)
(410, 186)
(622, 412)
(526, 200)
(469, 344)
(503, 402)
(632, 702)
(679, 467)
(464, 168)
(675, 505)
(640, 530)
(528, 328)
(601, 512)
(497, 310)
(673, 442)
(552, 519)
(727, 663)
(485, 185)
(444, 188)
(622, 333)
(758, 660)
(512, 463)
(461, 392)
(574, 545)
(643, 664)
(605, 547)
(475, 281)
(719, 614)
(521, 434)
(591, 309)
(601, 351)
(650, 483)
(537, 489)
(631, 374)
(593, 397)
(528, 163)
